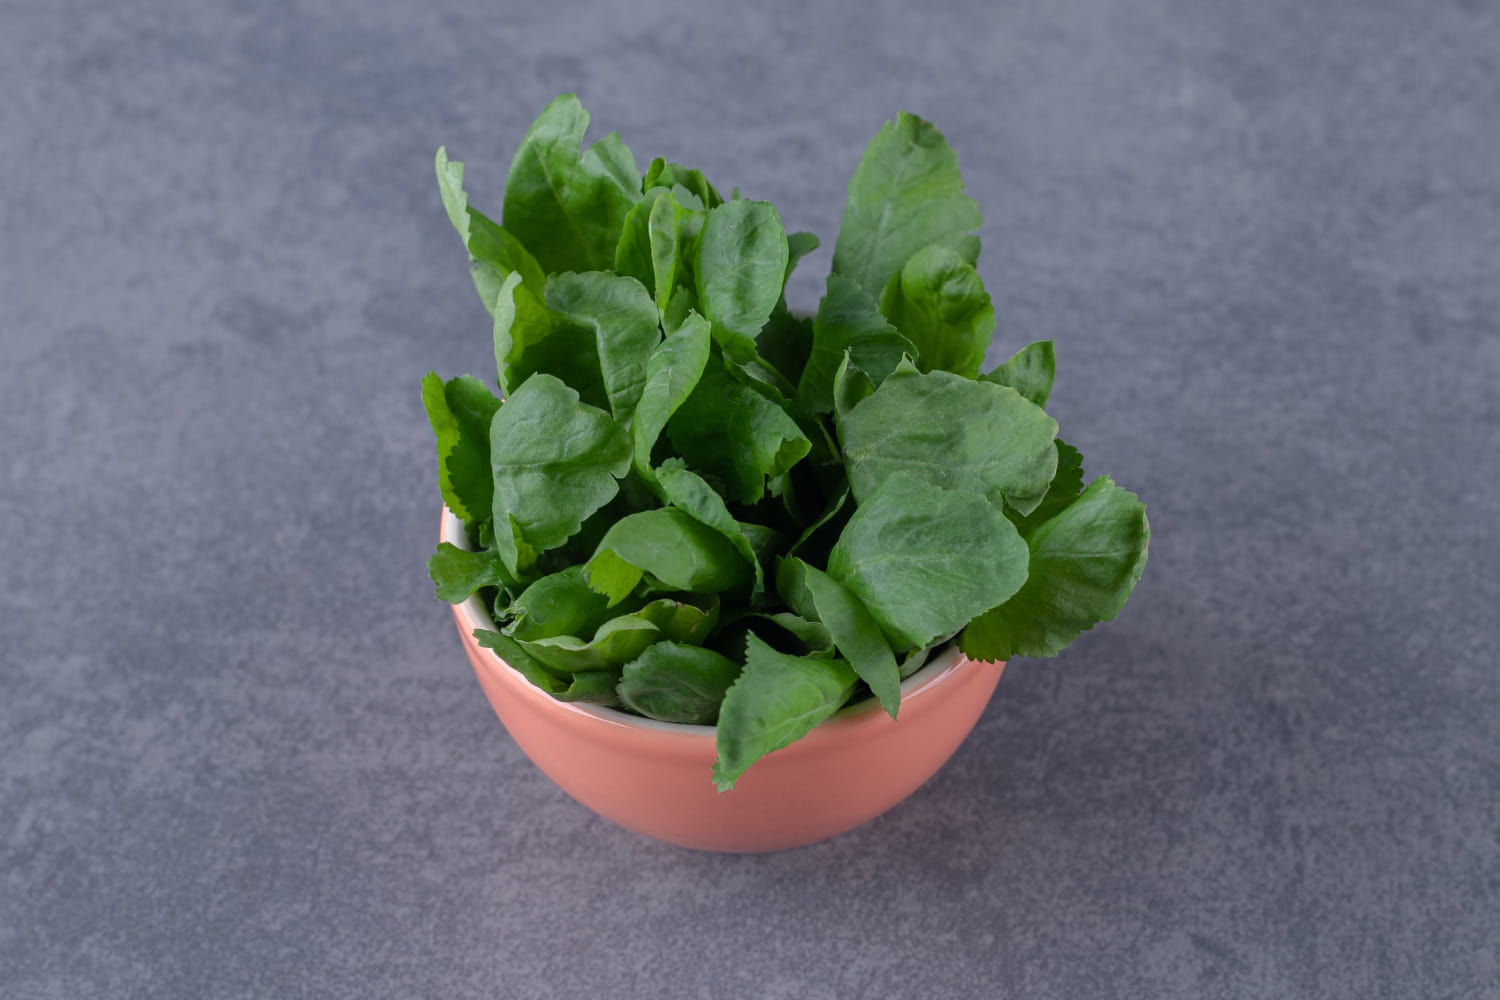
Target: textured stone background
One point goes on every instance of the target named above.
(243, 755)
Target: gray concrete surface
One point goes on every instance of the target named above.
(243, 755)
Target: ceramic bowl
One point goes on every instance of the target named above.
(654, 777)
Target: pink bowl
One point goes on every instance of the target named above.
(654, 777)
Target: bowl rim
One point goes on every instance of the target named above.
(943, 662)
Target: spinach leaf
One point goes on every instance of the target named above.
(815, 595)
(671, 375)
(555, 461)
(925, 561)
(906, 194)
(1084, 563)
(457, 573)
(568, 206)
(623, 321)
(938, 301)
(661, 173)
(669, 550)
(1065, 488)
(672, 682)
(672, 232)
(460, 411)
(512, 653)
(776, 700)
(970, 436)
(561, 603)
(617, 642)
(849, 324)
(1029, 371)
(686, 490)
(494, 254)
(741, 266)
(597, 687)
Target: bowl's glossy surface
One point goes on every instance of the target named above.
(654, 777)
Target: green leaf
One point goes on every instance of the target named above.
(671, 374)
(670, 550)
(660, 173)
(686, 490)
(460, 412)
(851, 386)
(1084, 564)
(596, 687)
(559, 604)
(531, 338)
(815, 595)
(729, 431)
(1029, 371)
(494, 254)
(741, 265)
(458, 572)
(829, 513)
(672, 231)
(777, 700)
(512, 653)
(566, 205)
(939, 302)
(798, 245)
(633, 252)
(617, 642)
(812, 636)
(672, 682)
(1065, 488)
(624, 323)
(555, 461)
(927, 561)
(952, 432)
(906, 194)
(850, 325)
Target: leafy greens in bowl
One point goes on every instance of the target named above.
(700, 507)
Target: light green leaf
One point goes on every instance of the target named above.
(671, 374)
(970, 436)
(1084, 564)
(686, 490)
(776, 700)
(531, 338)
(849, 325)
(672, 233)
(566, 205)
(458, 572)
(633, 252)
(741, 265)
(670, 550)
(559, 604)
(672, 682)
(815, 595)
(906, 194)
(555, 461)
(727, 430)
(927, 561)
(1029, 371)
(460, 412)
(623, 320)
(663, 174)
(617, 642)
(938, 301)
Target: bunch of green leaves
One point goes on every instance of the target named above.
(698, 506)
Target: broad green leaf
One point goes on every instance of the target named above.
(617, 642)
(1029, 371)
(671, 374)
(457, 572)
(926, 561)
(633, 252)
(685, 618)
(776, 700)
(664, 174)
(672, 682)
(460, 412)
(1084, 564)
(566, 205)
(849, 325)
(559, 604)
(596, 687)
(727, 430)
(851, 386)
(938, 301)
(670, 550)
(906, 194)
(512, 653)
(685, 489)
(741, 265)
(531, 338)
(672, 234)
(555, 461)
(494, 254)
(623, 320)
(1066, 487)
(952, 432)
(813, 594)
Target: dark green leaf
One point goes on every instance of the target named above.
(512, 653)
(1065, 488)
(458, 572)
(1084, 563)
(813, 594)
(1029, 371)
(906, 194)
(555, 460)
(926, 561)
(672, 682)
(850, 325)
(777, 700)
(559, 604)
(798, 245)
(938, 301)
(597, 687)
(952, 432)
(686, 490)
(670, 550)
(566, 205)
(460, 412)
(741, 264)
(623, 321)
